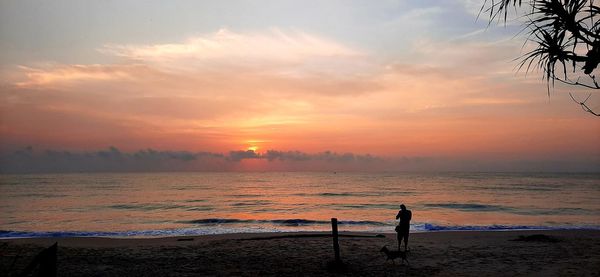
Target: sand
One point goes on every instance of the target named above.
(497, 253)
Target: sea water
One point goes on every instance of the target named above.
(169, 204)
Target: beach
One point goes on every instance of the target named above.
(458, 253)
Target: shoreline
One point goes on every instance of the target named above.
(155, 240)
(166, 233)
(465, 253)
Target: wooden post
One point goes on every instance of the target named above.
(336, 245)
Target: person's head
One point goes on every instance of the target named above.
(402, 207)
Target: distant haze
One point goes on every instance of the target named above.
(28, 160)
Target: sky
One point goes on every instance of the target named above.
(278, 85)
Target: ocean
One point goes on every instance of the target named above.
(171, 204)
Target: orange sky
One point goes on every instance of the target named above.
(289, 89)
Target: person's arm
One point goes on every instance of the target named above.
(398, 215)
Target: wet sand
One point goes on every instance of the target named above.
(497, 253)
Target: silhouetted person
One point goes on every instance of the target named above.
(404, 226)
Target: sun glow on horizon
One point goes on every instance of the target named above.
(254, 144)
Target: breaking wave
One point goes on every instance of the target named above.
(212, 226)
(285, 222)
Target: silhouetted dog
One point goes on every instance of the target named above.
(394, 254)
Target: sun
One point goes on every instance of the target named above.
(254, 144)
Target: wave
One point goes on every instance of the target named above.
(332, 194)
(147, 206)
(363, 206)
(285, 222)
(347, 194)
(195, 200)
(379, 225)
(287, 225)
(466, 206)
(252, 203)
(477, 207)
(244, 195)
(434, 227)
(338, 194)
(4, 234)
(365, 222)
(200, 208)
(217, 221)
(41, 195)
(58, 234)
(296, 222)
(387, 226)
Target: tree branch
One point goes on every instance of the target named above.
(568, 81)
(584, 105)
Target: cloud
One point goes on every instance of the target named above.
(29, 160)
(57, 74)
(301, 91)
(328, 156)
(280, 60)
(207, 87)
(275, 45)
(287, 52)
(289, 155)
(298, 156)
(242, 155)
(26, 160)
